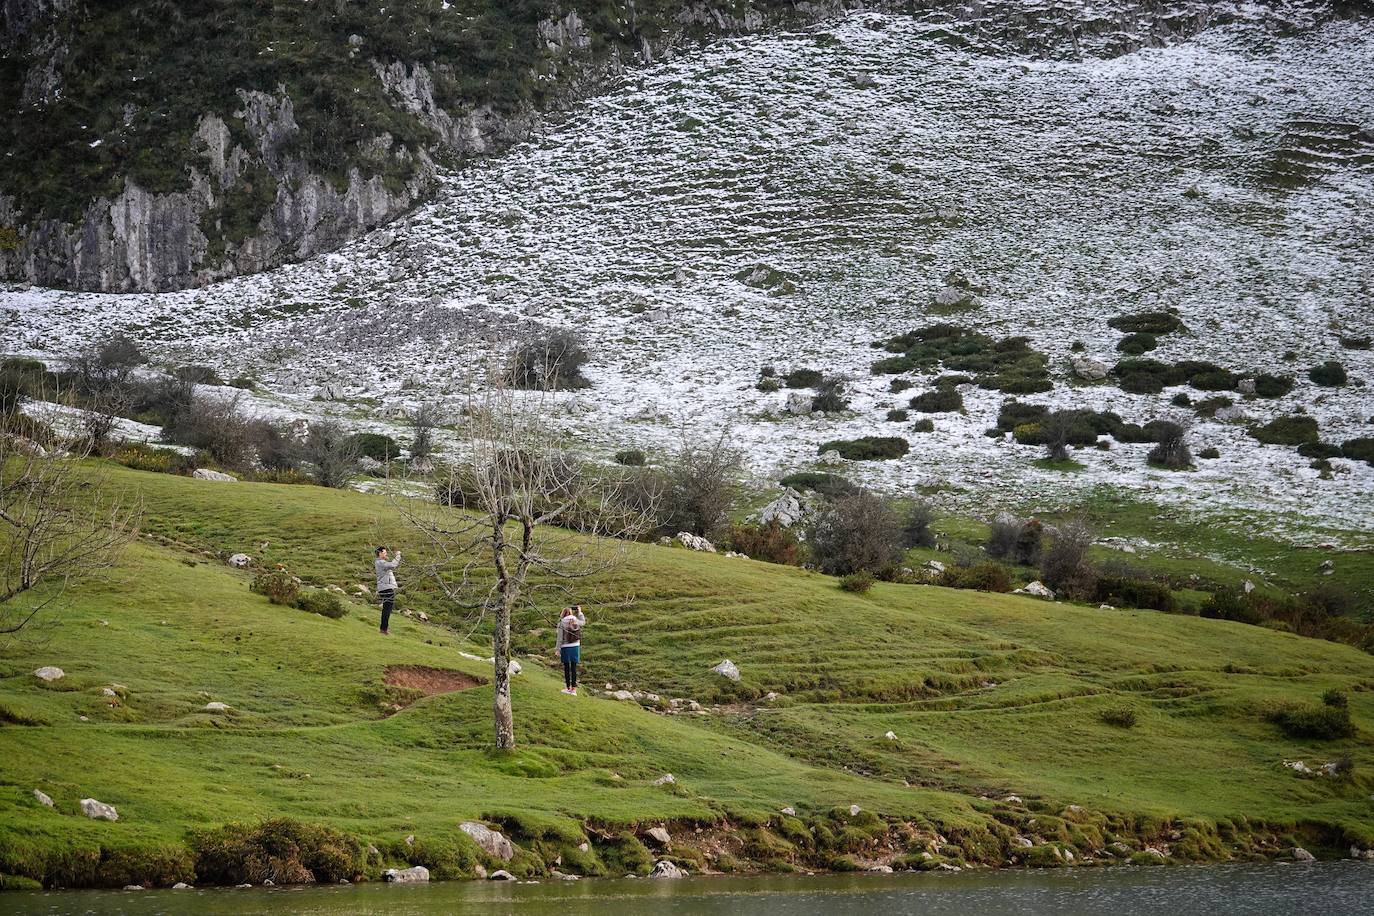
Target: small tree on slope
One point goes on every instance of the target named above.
(517, 517)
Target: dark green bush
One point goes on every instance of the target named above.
(819, 482)
(803, 378)
(1008, 364)
(925, 425)
(951, 381)
(1210, 453)
(983, 577)
(1319, 450)
(1361, 449)
(898, 385)
(897, 416)
(552, 361)
(939, 400)
(1181, 400)
(1357, 343)
(631, 458)
(377, 446)
(857, 582)
(197, 375)
(1128, 591)
(1293, 430)
(286, 851)
(1147, 323)
(830, 395)
(1323, 723)
(1336, 698)
(1136, 344)
(1208, 407)
(768, 385)
(278, 585)
(1329, 374)
(1273, 386)
(1120, 716)
(1146, 376)
(770, 543)
(867, 448)
(319, 601)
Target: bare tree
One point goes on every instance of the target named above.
(701, 486)
(332, 453)
(518, 517)
(423, 420)
(59, 523)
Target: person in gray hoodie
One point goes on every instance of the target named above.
(568, 645)
(386, 583)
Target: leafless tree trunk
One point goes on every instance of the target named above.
(59, 523)
(517, 517)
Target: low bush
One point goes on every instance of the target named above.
(983, 577)
(319, 601)
(1322, 723)
(1293, 430)
(1329, 374)
(143, 457)
(831, 395)
(770, 543)
(1210, 453)
(925, 425)
(897, 416)
(768, 385)
(819, 482)
(898, 385)
(1136, 344)
(550, 362)
(1171, 449)
(1007, 365)
(1357, 343)
(1319, 450)
(856, 533)
(1181, 400)
(867, 448)
(1120, 716)
(631, 458)
(803, 378)
(197, 375)
(377, 446)
(951, 381)
(1147, 323)
(938, 400)
(857, 582)
(916, 526)
(1065, 566)
(1273, 386)
(277, 585)
(284, 851)
(1131, 591)
(1361, 449)
(1337, 698)
(1014, 539)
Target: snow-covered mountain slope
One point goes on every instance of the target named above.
(1230, 176)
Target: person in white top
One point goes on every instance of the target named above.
(569, 645)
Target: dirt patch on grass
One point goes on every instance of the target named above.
(429, 681)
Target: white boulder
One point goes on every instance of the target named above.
(831, 457)
(727, 669)
(854, 810)
(798, 403)
(493, 841)
(665, 869)
(695, 542)
(182, 886)
(659, 836)
(891, 736)
(790, 811)
(216, 706)
(207, 474)
(1089, 369)
(786, 510)
(416, 874)
(501, 875)
(98, 810)
(667, 779)
(49, 673)
(1302, 855)
(43, 798)
(240, 560)
(1036, 589)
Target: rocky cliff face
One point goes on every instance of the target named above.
(139, 187)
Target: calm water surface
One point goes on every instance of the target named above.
(1328, 889)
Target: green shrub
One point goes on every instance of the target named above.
(857, 582)
(377, 446)
(951, 381)
(244, 382)
(923, 426)
(867, 448)
(1357, 343)
(143, 457)
(939, 400)
(286, 851)
(1210, 453)
(1147, 323)
(898, 385)
(1322, 723)
(631, 458)
(319, 601)
(1336, 698)
(1273, 386)
(278, 585)
(983, 577)
(197, 375)
(1146, 376)
(803, 378)
(1319, 450)
(1181, 400)
(897, 416)
(1120, 716)
(819, 482)
(1128, 591)
(1006, 365)
(1136, 344)
(1293, 430)
(1329, 374)
(1361, 449)
(625, 854)
(768, 385)
(19, 883)
(770, 543)
(830, 395)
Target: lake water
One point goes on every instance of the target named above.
(1325, 889)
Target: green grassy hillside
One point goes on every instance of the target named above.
(988, 696)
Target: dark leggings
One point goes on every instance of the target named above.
(570, 674)
(388, 599)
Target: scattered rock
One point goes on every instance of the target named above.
(1023, 842)
(1088, 368)
(108, 691)
(1298, 766)
(49, 673)
(1105, 607)
(854, 810)
(832, 458)
(770, 696)
(268, 882)
(496, 845)
(623, 695)
(98, 810)
(416, 874)
(1358, 853)
(1120, 849)
(891, 736)
(1302, 855)
(1248, 586)
(43, 798)
(216, 706)
(369, 465)
(134, 887)
(207, 474)
(798, 403)
(934, 566)
(695, 542)
(667, 779)
(884, 869)
(790, 811)
(1232, 413)
(501, 875)
(659, 836)
(665, 869)
(182, 886)
(727, 669)
(1013, 800)
(787, 510)
(1036, 589)
(240, 560)
(1246, 386)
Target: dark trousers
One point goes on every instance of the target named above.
(570, 674)
(388, 597)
